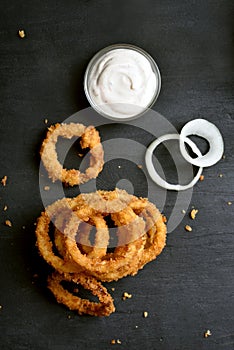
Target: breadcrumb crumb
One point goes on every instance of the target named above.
(220, 175)
(4, 180)
(80, 155)
(193, 213)
(0, 307)
(8, 223)
(140, 166)
(113, 289)
(145, 314)
(35, 277)
(164, 218)
(5, 208)
(207, 333)
(119, 166)
(47, 188)
(21, 33)
(46, 121)
(183, 211)
(201, 178)
(117, 341)
(188, 228)
(229, 203)
(126, 295)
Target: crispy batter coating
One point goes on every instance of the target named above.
(131, 238)
(140, 232)
(89, 139)
(104, 308)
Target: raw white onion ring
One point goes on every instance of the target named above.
(151, 169)
(211, 133)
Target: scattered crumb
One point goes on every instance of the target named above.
(8, 223)
(113, 289)
(201, 178)
(188, 228)
(4, 180)
(183, 211)
(136, 326)
(21, 33)
(224, 157)
(23, 227)
(229, 203)
(117, 341)
(164, 218)
(140, 166)
(35, 276)
(80, 155)
(46, 121)
(207, 333)
(0, 307)
(193, 213)
(126, 296)
(119, 166)
(35, 224)
(5, 208)
(47, 188)
(220, 175)
(75, 290)
(145, 314)
(69, 317)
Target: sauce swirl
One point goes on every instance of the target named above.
(122, 83)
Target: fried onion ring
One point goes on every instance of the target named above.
(140, 233)
(116, 265)
(89, 139)
(83, 306)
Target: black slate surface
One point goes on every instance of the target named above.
(190, 288)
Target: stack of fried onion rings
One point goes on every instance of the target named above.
(89, 139)
(138, 228)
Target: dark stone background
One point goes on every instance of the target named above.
(190, 288)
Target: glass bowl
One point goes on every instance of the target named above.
(102, 108)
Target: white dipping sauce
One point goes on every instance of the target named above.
(122, 83)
